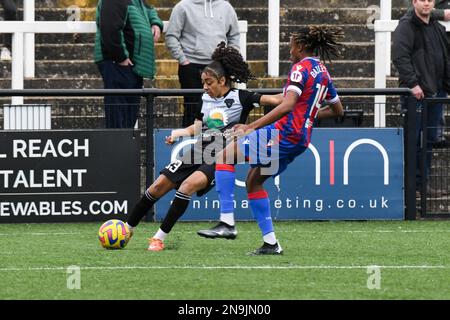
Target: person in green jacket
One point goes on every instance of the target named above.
(124, 52)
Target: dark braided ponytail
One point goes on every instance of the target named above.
(321, 40)
(228, 62)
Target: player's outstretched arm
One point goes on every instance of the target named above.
(287, 105)
(271, 99)
(331, 111)
(192, 130)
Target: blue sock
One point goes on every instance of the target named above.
(225, 176)
(259, 203)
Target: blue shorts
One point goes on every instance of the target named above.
(262, 148)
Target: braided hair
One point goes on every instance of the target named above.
(229, 63)
(320, 40)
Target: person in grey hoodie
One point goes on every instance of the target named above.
(195, 29)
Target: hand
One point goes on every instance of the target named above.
(447, 15)
(126, 62)
(241, 130)
(170, 140)
(228, 133)
(418, 93)
(185, 63)
(156, 33)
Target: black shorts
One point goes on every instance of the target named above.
(178, 171)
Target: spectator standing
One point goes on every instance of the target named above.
(420, 54)
(195, 29)
(124, 53)
(10, 14)
(442, 13)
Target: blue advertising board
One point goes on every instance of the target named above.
(346, 174)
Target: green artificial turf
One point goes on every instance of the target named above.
(321, 260)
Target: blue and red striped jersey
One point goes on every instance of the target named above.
(310, 79)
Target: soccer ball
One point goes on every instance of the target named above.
(114, 234)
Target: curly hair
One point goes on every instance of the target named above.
(320, 40)
(228, 62)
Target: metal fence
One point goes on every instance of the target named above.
(434, 195)
(163, 108)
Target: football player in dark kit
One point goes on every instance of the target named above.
(222, 108)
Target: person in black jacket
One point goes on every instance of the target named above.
(420, 54)
(441, 12)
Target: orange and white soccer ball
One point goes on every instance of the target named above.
(114, 234)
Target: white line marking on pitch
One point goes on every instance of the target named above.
(43, 234)
(226, 267)
(243, 231)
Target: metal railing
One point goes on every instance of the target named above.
(150, 118)
(434, 194)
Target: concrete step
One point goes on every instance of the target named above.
(289, 15)
(64, 38)
(256, 33)
(352, 32)
(255, 51)
(236, 3)
(87, 68)
(349, 51)
(334, 3)
(297, 15)
(172, 83)
(65, 14)
(65, 3)
(82, 51)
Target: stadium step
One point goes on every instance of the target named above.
(289, 15)
(169, 68)
(255, 51)
(236, 3)
(172, 82)
(256, 33)
(65, 60)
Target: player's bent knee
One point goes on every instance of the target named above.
(159, 188)
(194, 183)
(189, 187)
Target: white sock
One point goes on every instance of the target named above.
(161, 235)
(228, 218)
(270, 238)
(129, 227)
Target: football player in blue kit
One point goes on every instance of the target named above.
(279, 136)
(222, 107)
